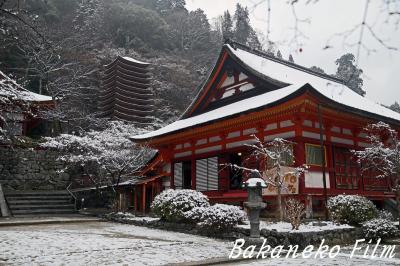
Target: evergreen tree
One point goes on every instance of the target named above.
(317, 69)
(279, 55)
(243, 31)
(291, 58)
(253, 40)
(395, 107)
(349, 73)
(227, 26)
(167, 6)
(242, 24)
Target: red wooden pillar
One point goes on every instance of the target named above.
(223, 182)
(135, 198)
(298, 149)
(223, 174)
(193, 172)
(144, 198)
(260, 131)
(193, 164)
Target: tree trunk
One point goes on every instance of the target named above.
(398, 206)
(280, 207)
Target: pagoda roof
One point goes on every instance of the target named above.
(293, 79)
(12, 90)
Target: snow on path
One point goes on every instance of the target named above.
(103, 243)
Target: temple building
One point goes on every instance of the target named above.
(249, 93)
(19, 108)
(126, 93)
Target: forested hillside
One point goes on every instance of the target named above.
(58, 48)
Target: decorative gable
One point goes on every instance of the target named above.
(233, 85)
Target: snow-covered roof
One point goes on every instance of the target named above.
(10, 89)
(327, 86)
(225, 111)
(297, 77)
(134, 60)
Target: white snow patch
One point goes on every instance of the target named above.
(10, 88)
(252, 182)
(308, 227)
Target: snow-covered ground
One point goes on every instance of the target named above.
(340, 260)
(287, 227)
(102, 243)
(132, 217)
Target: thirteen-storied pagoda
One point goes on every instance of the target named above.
(126, 93)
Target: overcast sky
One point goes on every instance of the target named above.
(327, 18)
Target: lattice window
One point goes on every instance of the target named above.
(178, 174)
(207, 174)
(314, 155)
(347, 174)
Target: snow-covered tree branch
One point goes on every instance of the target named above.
(109, 150)
(382, 157)
(271, 157)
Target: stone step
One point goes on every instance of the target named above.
(38, 202)
(37, 192)
(33, 207)
(30, 203)
(38, 197)
(42, 211)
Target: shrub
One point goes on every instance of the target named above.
(294, 212)
(172, 205)
(218, 216)
(379, 228)
(351, 209)
(383, 214)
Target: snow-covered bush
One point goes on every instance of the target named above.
(351, 209)
(173, 205)
(218, 216)
(379, 228)
(383, 214)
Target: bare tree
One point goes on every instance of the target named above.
(294, 211)
(271, 157)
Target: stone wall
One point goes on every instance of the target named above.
(31, 169)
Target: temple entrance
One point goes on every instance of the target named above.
(235, 175)
(149, 198)
(187, 175)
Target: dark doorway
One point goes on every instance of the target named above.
(187, 174)
(139, 199)
(235, 175)
(149, 197)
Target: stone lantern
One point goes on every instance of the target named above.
(254, 203)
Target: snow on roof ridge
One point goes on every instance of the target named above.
(134, 60)
(26, 95)
(236, 45)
